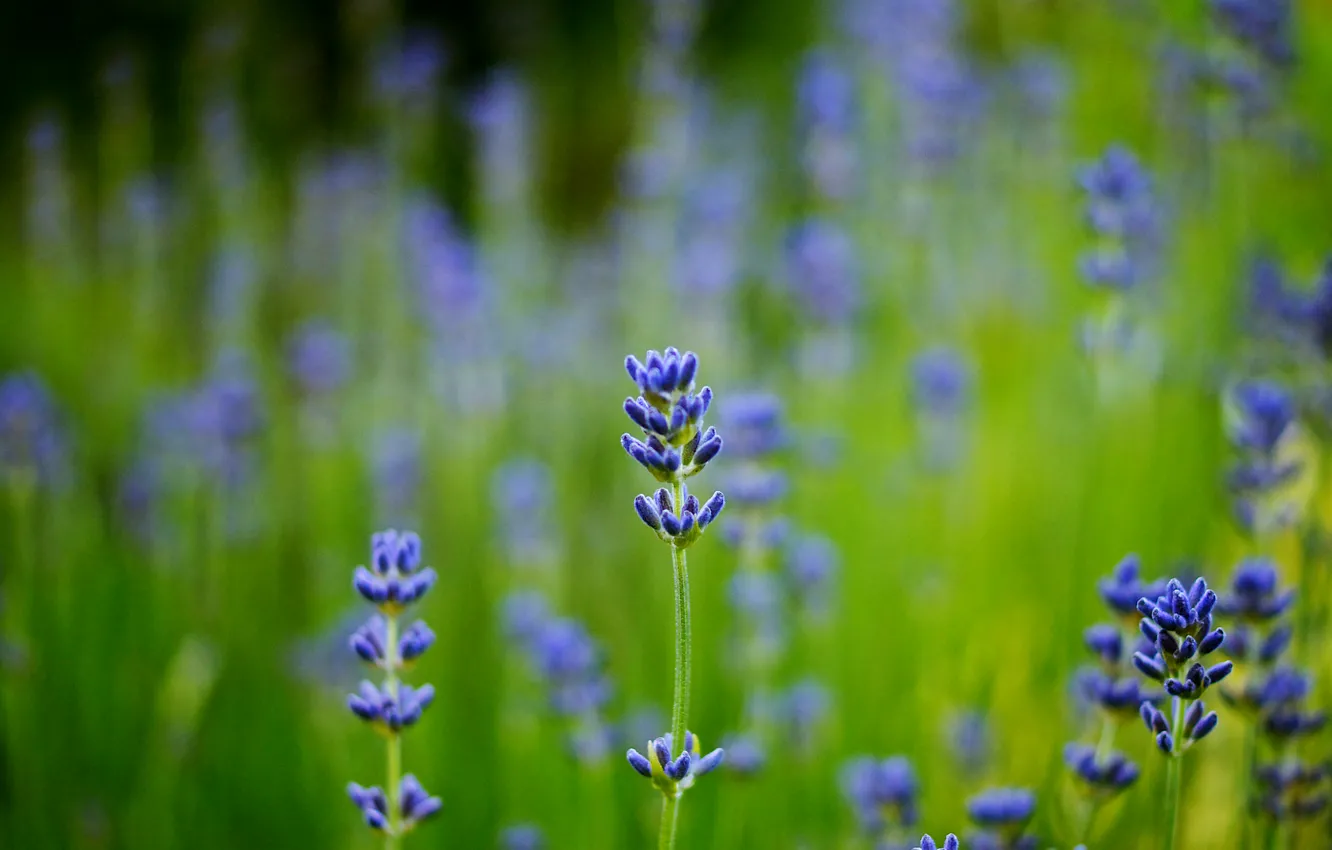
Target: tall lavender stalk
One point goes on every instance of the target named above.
(1179, 625)
(394, 580)
(674, 447)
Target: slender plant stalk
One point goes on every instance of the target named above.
(670, 812)
(1247, 766)
(392, 835)
(670, 816)
(1174, 766)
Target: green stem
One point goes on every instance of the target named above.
(670, 816)
(1247, 768)
(1174, 766)
(392, 835)
(670, 812)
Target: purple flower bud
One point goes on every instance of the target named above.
(707, 451)
(647, 512)
(1212, 642)
(1165, 743)
(1153, 668)
(1205, 726)
(1217, 672)
(670, 523)
(662, 752)
(634, 368)
(688, 366)
(636, 412)
(709, 762)
(639, 763)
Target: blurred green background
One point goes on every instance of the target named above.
(482, 210)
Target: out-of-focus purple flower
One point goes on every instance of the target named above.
(1042, 81)
(523, 836)
(452, 289)
(744, 755)
(32, 441)
(570, 665)
(883, 793)
(396, 472)
(498, 112)
(940, 382)
(825, 93)
(319, 357)
(1121, 210)
(1263, 26)
(969, 741)
(802, 710)
(521, 494)
(823, 268)
(811, 567)
(408, 71)
(712, 228)
(1003, 814)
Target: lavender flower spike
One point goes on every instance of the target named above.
(674, 446)
(394, 579)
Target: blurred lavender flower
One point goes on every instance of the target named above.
(1293, 790)
(570, 666)
(823, 270)
(1101, 776)
(1261, 416)
(745, 755)
(396, 472)
(940, 381)
(882, 793)
(811, 567)
(32, 440)
(1002, 814)
(927, 843)
(319, 358)
(407, 72)
(520, 493)
(826, 110)
(1262, 26)
(452, 289)
(1121, 210)
(967, 734)
(941, 390)
(522, 837)
(803, 709)
(712, 227)
(499, 114)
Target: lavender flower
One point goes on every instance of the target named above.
(823, 268)
(570, 666)
(674, 776)
(1121, 210)
(927, 843)
(1262, 26)
(520, 494)
(811, 566)
(414, 806)
(522, 837)
(32, 443)
(674, 447)
(745, 755)
(1293, 790)
(394, 580)
(1002, 814)
(1263, 415)
(1100, 776)
(882, 793)
(1179, 623)
(319, 358)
